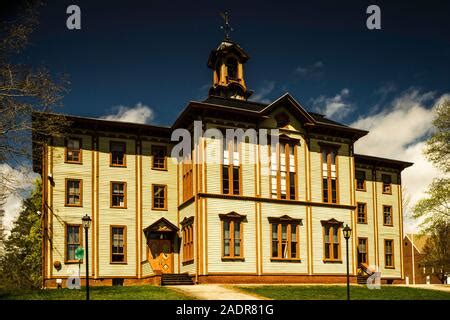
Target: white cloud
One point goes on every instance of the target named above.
(12, 208)
(314, 70)
(265, 90)
(400, 132)
(16, 185)
(140, 113)
(335, 107)
(386, 89)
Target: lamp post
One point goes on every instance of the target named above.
(86, 224)
(347, 234)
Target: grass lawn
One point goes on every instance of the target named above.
(289, 292)
(96, 293)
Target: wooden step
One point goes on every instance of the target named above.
(174, 279)
(361, 279)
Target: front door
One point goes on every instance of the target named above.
(161, 255)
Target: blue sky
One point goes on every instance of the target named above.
(144, 60)
(155, 52)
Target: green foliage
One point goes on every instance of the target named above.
(147, 292)
(435, 208)
(322, 292)
(436, 251)
(21, 264)
(438, 146)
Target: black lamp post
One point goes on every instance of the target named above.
(86, 224)
(347, 234)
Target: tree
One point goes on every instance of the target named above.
(24, 89)
(436, 251)
(435, 209)
(21, 263)
(438, 146)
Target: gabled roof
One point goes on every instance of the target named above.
(418, 241)
(288, 101)
(235, 103)
(258, 111)
(382, 162)
(161, 225)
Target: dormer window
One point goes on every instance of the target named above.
(232, 68)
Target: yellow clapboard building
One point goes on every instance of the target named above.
(243, 211)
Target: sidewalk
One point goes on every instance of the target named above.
(440, 287)
(213, 292)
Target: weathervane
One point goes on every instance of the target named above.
(226, 27)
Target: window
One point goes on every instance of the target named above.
(362, 251)
(73, 241)
(362, 212)
(329, 175)
(73, 150)
(387, 216)
(188, 239)
(159, 154)
(389, 253)
(387, 188)
(285, 238)
(187, 180)
(231, 170)
(117, 153)
(159, 197)
(332, 240)
(232, 69)
(360, 180)
(118, 194)
(74, 188)
(118, 244)
(283, 171)
(232, 233)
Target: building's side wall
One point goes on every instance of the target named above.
(421, 272)
(108, 216)
(389, 232)
(163, 177)
(269, 210)
(58, 214)
(254, 202)
(375, 230)
(187, 212)
(368, 230)
(97, 174)
(317, 240)
(214, 236)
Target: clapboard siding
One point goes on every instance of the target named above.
(165, 177)
(367, 230)
(387, 232)
(343, 171)
(319, 214)
(215, 263)
(111, 216)
(187, 212)
(278, 210)
(248, 164)
(69, 215)
(146, 269)
(208, 227)
(213, 149)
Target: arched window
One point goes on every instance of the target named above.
(232, 68)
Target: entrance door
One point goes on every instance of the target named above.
(161, 255)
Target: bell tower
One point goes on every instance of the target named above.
(227, 63)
